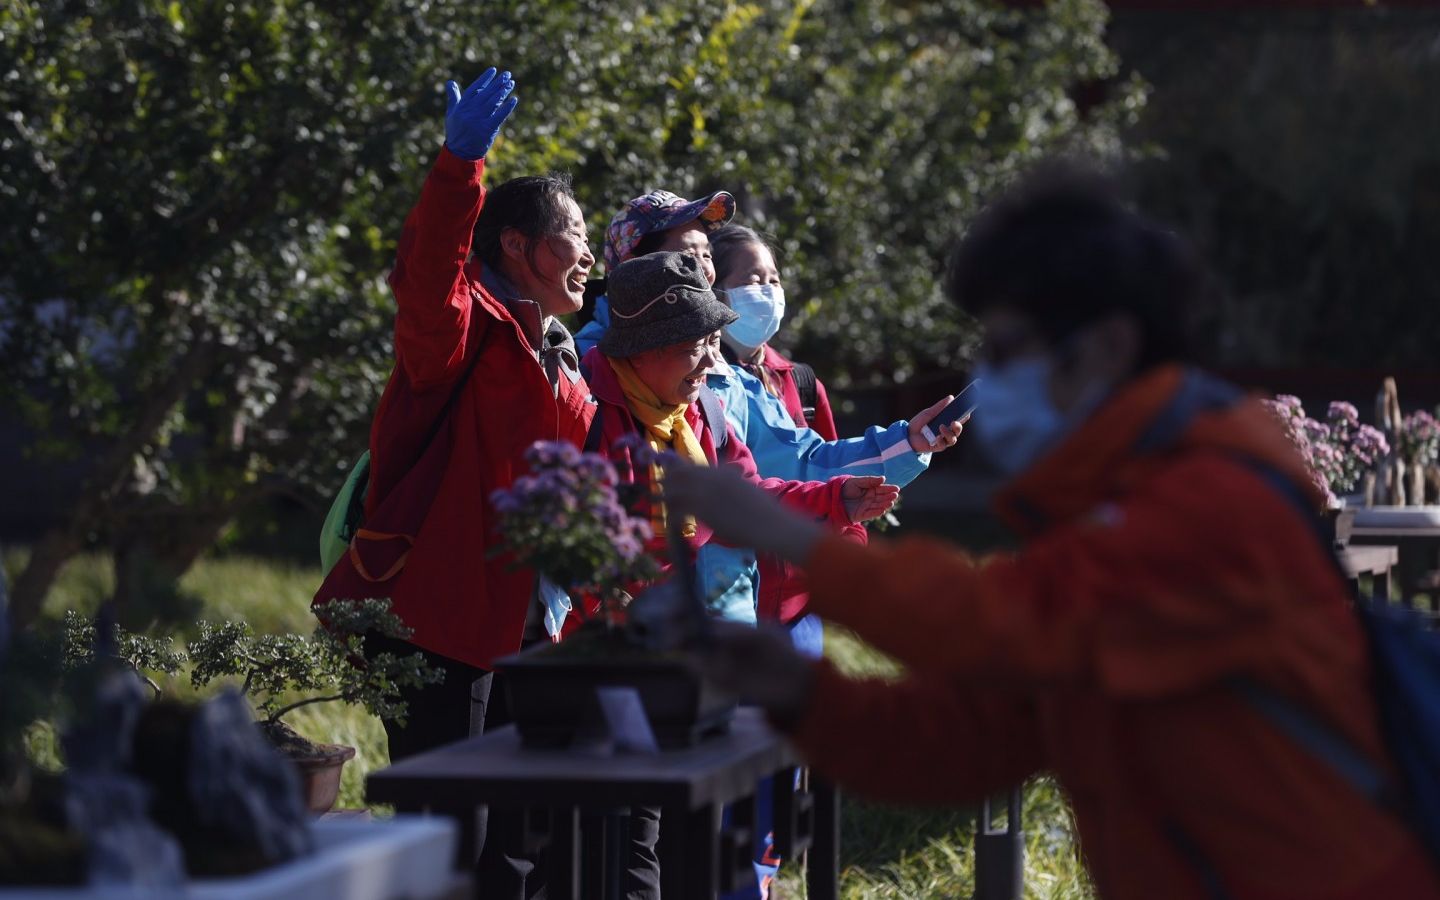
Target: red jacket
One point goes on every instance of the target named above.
(461, 603)
(817, 498)
(1159, 564)
(782, 373)
(784, 590)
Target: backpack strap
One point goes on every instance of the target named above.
(355, 512)
(1317, 736)
(596, 432)
(714, 412)
(807, 386)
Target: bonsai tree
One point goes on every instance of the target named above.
(329, 665)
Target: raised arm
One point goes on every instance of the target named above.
(432, 294)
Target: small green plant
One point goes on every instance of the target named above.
(329, 665)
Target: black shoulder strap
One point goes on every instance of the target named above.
(455, 393)
(807, 386)
(592, 437)
(355, 514)
(714, 413)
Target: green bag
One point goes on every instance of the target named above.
(346, 514)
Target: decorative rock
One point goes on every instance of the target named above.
(240, 784)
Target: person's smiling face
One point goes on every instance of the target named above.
(677, 372)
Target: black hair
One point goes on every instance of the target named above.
(1063, 249)
(532, 205)
(725, 244)
(649, 243)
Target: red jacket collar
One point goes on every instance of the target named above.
(474, 271)
(604, 383)
(773, 360)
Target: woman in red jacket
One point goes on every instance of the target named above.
(483, 369)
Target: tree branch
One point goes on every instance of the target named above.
(275, 716)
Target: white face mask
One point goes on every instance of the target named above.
(761, 308)
(1016, 422)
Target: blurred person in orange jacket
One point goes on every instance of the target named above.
(1159, 564)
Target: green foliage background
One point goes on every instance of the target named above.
(199, 201)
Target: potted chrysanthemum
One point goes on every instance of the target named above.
(1339, 452)
(569, 521)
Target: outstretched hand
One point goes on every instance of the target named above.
(737, 511)
(473, 117)
(868, 497)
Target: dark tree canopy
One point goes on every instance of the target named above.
(199, 201)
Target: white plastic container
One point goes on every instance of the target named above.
(410, 857)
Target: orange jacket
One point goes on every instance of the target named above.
(1158, 563)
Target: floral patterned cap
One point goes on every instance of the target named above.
(661, 211)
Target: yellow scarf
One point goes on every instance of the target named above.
(666, 429)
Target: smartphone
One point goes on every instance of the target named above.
(961, 407)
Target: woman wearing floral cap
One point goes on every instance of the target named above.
(658, 221)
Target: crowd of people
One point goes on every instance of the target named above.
(1105, 650)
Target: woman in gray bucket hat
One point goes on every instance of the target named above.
(648, 378)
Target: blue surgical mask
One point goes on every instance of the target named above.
(761, 308)
(1015, 420)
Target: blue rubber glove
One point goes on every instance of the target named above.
(472, 119)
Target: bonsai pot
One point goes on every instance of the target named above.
(550, 691)
(320, 775)
(319, 765)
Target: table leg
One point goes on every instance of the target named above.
(702, 852)
(563, 882)
(467, 848)
(822, 876)
(1384, 584)
(592, 854)
(689, 853)
(617, 847)
(671, 851)
(794, 816)
(737, 846)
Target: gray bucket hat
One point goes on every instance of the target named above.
(659, 300)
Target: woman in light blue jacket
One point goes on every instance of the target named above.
(747, 278)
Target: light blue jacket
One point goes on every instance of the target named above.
(589, 335)
(784, 450)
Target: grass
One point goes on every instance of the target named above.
(887, 852)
